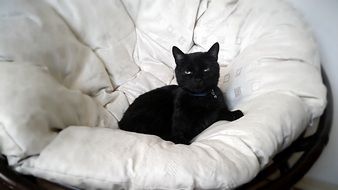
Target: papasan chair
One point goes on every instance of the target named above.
(69, 70)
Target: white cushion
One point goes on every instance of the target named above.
(34, 107)
(222, 157)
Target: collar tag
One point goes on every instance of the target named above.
(213, 94)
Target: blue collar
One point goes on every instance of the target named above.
(199, 94)
(202, 94)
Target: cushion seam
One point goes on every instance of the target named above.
(10, 136)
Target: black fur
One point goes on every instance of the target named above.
(179, 113)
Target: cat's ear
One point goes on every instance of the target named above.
(178, 54)
(213, 51)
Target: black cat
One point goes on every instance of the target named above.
(179, 113)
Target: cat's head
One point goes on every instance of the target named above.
(197, 72)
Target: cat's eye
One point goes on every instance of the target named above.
(187, 72)
(207, 69)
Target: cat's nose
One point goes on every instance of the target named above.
(198, 80)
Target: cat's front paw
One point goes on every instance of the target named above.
(180, 140)
(237, 114)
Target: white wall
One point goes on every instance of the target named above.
(322, 16)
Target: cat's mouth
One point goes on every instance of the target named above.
(197, 89)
